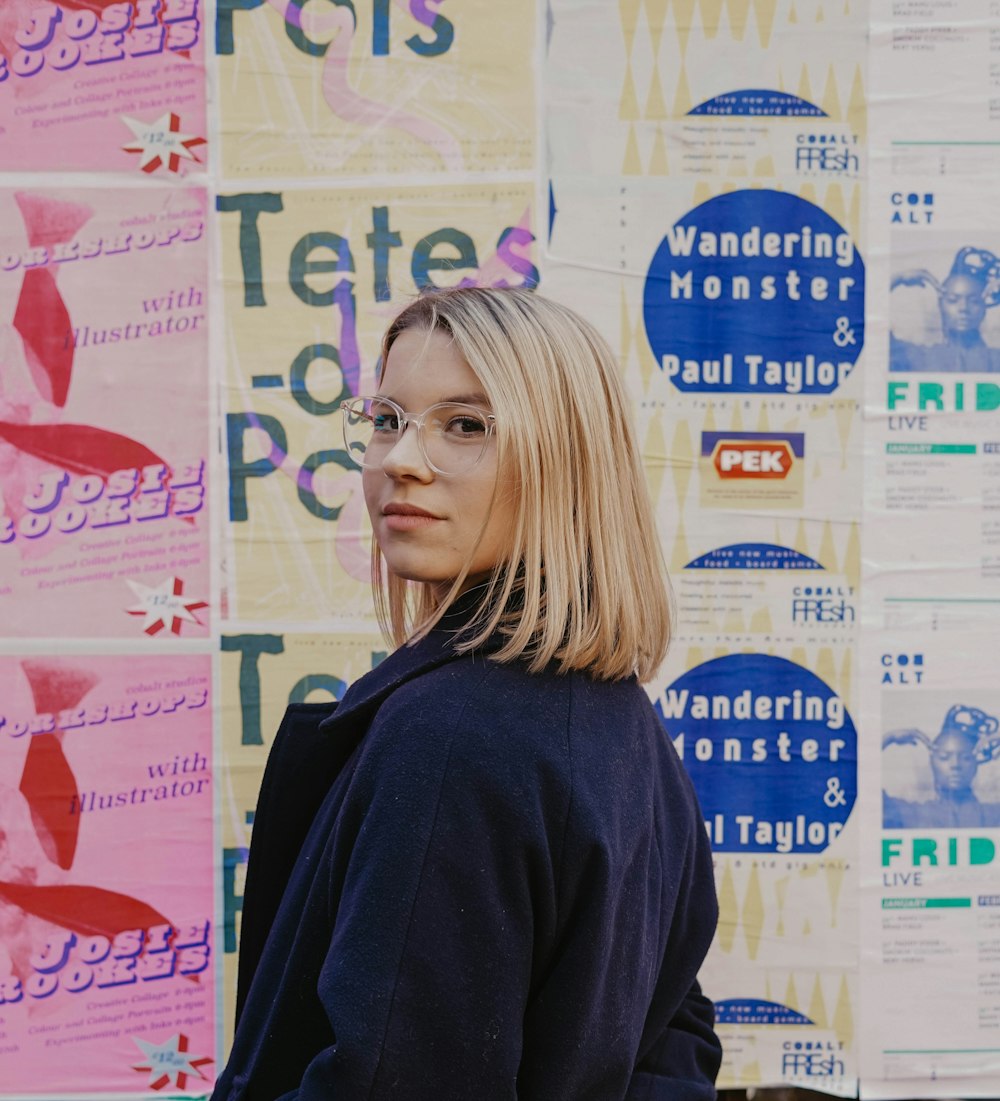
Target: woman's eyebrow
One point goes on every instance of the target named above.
(476, 397)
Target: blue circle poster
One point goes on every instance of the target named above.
(771, 749)
(756, 291)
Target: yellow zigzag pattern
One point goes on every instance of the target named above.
(839, 105)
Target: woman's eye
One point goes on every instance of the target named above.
(464, 426)
(385, 422)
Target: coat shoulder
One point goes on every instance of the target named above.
(485, 714)
(482, 721)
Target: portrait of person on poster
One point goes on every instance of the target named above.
(967, 741)
(443, 863)
(967, 292)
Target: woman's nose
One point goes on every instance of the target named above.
(405, 458)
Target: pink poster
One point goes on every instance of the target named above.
(106, 865)
(102, 85)
(104, 414)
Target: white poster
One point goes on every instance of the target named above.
(930, 901)
(934, 85)
(932, 485)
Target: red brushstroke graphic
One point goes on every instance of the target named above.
(43, 322)
(49, 786)
(47, 782)
(78, 448)
(89, 911)
(41, 318)
(51, 221)
(56, 686)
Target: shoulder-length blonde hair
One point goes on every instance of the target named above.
(584, 584)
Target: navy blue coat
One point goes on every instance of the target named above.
(469, 883)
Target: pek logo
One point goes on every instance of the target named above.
(822, 604)
(753, 459)
(827, 153)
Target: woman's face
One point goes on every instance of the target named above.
(428, 525)
(962, 305)
(953, 762)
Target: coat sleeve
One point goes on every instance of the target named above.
(308, 762)
(686, 1063)
(427, 973)
(682, 1060)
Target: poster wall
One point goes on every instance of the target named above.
(929, 703)
(778, 213)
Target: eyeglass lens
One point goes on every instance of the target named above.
(453, 436)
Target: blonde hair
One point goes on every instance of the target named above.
(588, 588)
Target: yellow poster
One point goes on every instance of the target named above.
(361, 87)
(312, 278)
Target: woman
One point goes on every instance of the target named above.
(484, 875)
(967, 740)
(970, 288)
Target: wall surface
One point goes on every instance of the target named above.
(777, 211)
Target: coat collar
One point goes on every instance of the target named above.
(412, 659)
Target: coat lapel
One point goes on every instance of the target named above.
(365, 695)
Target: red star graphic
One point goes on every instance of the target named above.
(164, 605)
(161, 142)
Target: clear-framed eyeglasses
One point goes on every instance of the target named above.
(452, 436)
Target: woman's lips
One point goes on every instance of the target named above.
(407, 517)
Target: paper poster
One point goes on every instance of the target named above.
(104, 414)
(376, 87)
(101, 87)
(705, 89)
(933, 78)
(769, 739)
(106, 876)
(312, 279)
(933, 485)
(743, 277)
(930, 900)
(745, 291)
(261, 674)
